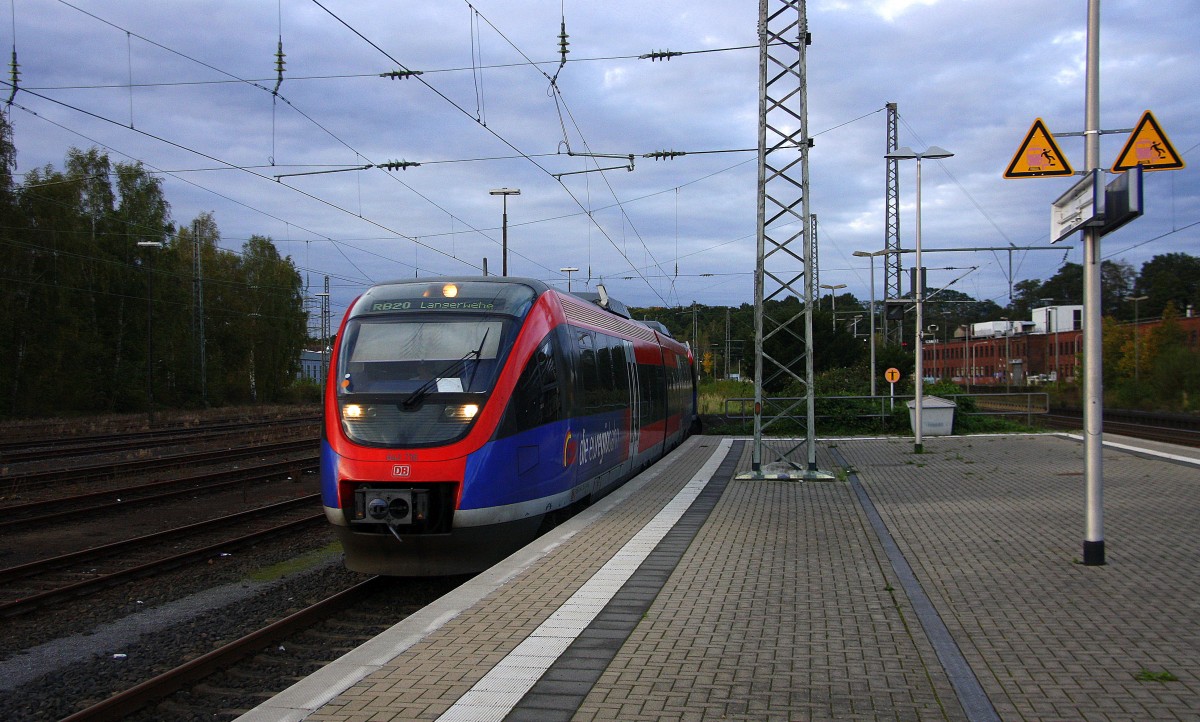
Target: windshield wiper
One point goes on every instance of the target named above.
(417, 396)
(478, 355)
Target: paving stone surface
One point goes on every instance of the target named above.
(783, 608)
(994, 527)
(787, 606)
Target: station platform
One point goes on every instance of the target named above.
(944, 585)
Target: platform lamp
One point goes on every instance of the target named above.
(871, 255)
(1137, 362)
(569, 270)
(906, 153)
(157, 245)
(504, 193)
(1007, 354)
(833, 300)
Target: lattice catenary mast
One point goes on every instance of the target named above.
(785, 260)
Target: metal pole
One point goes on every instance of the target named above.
(760, 239)
(919, 294)
(1054, 330)
(1137, 339)
(1093, 390)
(872, 326)
(1007, 356)
(726, 343)
(157, 245)
(150, 342)
(504, 193)
(198, 300)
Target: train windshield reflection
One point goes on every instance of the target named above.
(401, 356)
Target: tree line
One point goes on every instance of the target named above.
(1155, 370)
(107, 302)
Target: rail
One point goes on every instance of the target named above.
(141, 695)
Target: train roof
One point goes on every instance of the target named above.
(601, 299)
(604, 301)
(658, 326)
(612, 305)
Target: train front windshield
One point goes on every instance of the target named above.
(418, 359)
(408, 381)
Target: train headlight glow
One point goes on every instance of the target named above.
(450, 290)
(353, 412)
(465, 412)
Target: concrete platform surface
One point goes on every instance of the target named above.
(942, 585)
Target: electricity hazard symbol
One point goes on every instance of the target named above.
(1148, 147)
(1039, 156)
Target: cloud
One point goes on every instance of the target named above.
(969, 76)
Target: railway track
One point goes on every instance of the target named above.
(195, 532)
(28, 586)
(121, 499)
(1170, 429)
(123, 704)
(33, 480)
(43, 449)
(228, 680)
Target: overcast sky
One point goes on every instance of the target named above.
(186, 88)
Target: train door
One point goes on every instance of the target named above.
(635, 404)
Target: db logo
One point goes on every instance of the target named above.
(401, 470)
(570, 450)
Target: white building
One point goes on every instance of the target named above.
(1057, 319)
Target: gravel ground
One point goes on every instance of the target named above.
(65, 657)
(106, 658)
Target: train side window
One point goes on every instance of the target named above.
(604, 369)
(587, 369)
(652, 383)
(620, 371)
(592, 386)
(537, 397)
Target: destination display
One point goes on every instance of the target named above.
(428, 304)
(445, 297)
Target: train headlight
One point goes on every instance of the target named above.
(450, 290)
(462, 412)
(353, 412)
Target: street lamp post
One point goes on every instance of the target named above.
(933, 329)
(504, 193)
(1053, 318)
(569, 270)
(1136, 337)
(1052, 330)
(833, 300)
(157, 245)
(967, 354)
(1007, 355)
(905, 153)
(870, 255)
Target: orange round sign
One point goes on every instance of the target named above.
(892, 375)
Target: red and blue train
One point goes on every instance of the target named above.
(463, 414)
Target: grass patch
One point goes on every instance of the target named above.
(297, 564)
(1147, 675)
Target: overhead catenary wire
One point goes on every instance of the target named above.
(280, 97)
(466, 113)
(14, 68)
(234, 79)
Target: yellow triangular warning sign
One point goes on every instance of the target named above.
(1148, 147)
(1039, 156)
